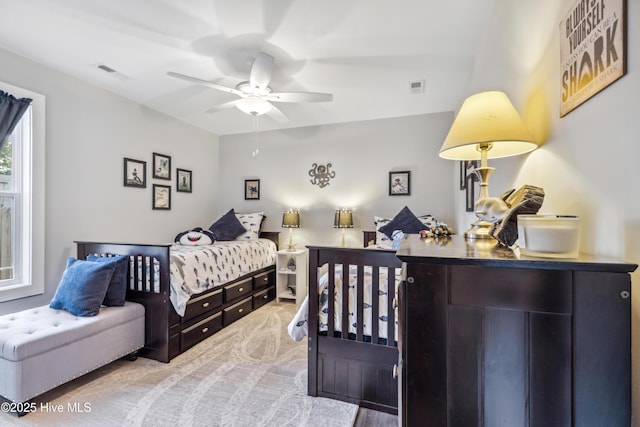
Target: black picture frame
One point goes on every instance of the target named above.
(161, 197)
(132, 175)
(470, 192)
(161, 166)
(183, 180)
(252, 189)
(463, 175)
(400, 183)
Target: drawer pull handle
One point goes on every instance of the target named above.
(205, 305)
(624, 294)
(266, 279)
(205, 330)
(395, 371)
(240, 289)
(266, 296)
(241, 310)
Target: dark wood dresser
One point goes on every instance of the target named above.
(491, 338)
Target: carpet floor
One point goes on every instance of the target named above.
(248, 374)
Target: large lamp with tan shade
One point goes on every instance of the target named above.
(487, 126)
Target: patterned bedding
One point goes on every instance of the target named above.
(298, 327)
(195, 269)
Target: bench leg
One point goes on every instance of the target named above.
(131, 356)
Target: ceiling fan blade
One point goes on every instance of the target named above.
(222, 107)
(205, 83)
(276, 114)
(261, 72)
(299, 97)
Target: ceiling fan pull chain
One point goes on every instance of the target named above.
(256, 149)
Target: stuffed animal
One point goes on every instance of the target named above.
(196, 237)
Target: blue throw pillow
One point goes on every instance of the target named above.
(228, 227)
(405, 221)
(82, 287)
(117, 289)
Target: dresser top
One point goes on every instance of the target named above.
(455, 250)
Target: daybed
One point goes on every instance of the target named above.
(42, 348)
(177, 317)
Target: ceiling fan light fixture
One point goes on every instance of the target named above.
(253, 105)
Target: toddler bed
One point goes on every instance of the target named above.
(356, 365)
(191, 292)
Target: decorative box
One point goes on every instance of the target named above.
(549, 236)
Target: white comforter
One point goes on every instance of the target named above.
(195, 269)
(298, 327)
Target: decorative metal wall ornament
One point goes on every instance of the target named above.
(321, 174)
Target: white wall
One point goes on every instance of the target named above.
(88, 133)
(588, 161)
(361, 154)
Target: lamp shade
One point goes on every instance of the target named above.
(487, 118)
(291, 219)
(253, 105)
(343, 219)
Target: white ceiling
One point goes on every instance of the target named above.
(365, 52)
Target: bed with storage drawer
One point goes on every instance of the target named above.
(174, 323)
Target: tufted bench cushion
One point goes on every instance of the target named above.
(41, 348)
(41, 329)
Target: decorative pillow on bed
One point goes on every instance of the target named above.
(405, 221)
(83, 287)
(195, 237)
(117, 289)
(228, 227)
(252, 222)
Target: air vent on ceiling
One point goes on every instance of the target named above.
(107, 69)
(416, 87)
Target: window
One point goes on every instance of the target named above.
(22, 203)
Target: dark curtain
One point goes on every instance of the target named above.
(11, 111)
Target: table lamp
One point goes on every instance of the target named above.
(487, 126)
(291, 220)
(343, 219)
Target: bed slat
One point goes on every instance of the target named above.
(375, 304)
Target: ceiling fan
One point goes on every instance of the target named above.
(256, 96)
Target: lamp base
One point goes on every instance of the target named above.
(480, 230)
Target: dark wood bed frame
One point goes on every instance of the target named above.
(166, 333)
(353, 368)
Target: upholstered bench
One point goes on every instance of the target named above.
(42, 348)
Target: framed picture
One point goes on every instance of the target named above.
(135, 173)
(183, 181)
(463, 175)
(161, 197)
(593, 50)
(252, 189)
(400, 183)
(470, 194)
(161, 166)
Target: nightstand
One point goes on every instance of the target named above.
(291, 275)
